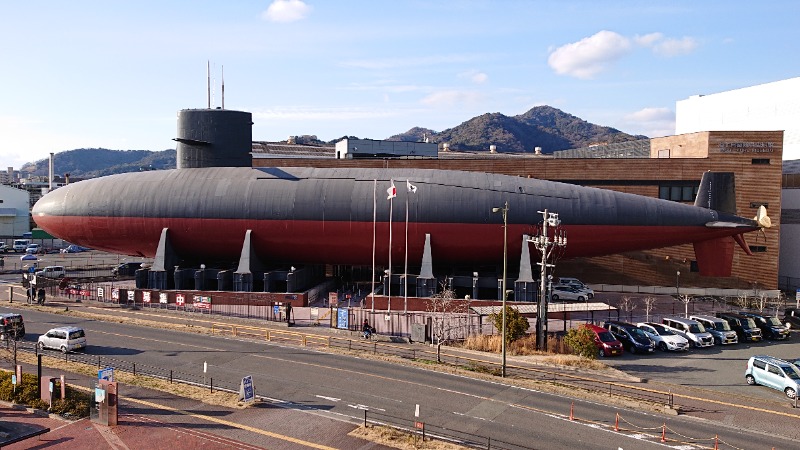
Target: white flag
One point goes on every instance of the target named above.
(392, 191)
(411, 187)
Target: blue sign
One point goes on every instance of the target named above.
(246, 391)
(342, 318)
(276, 310)
(106, 374)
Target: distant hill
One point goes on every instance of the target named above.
(542, 126)
(98, 162)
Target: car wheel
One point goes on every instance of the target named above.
(602, 353)
(581, 299)
(554, 297)
(750, 380)
(790, 392)
(662, 346)
(63, 349)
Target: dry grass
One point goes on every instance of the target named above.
(394, 438)
(202, 394)
(558, 354)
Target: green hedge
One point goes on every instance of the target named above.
(27, 393)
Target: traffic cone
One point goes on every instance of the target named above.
(616, 423)
(571, 411)
(664, 432)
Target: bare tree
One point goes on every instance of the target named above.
(649, 304)
(685, 299)
(628, 305)
(442, 305)
(742, 301)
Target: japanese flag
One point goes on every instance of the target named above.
(392, 191)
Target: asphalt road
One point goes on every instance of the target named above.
(344, 386)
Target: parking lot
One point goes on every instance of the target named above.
(720, 368)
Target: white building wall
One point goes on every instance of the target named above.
(19, 201)
(789, 261)
(765, 107)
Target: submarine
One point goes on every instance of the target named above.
(214, 204)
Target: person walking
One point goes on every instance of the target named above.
(366, 329)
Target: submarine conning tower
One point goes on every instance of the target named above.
(214, 138)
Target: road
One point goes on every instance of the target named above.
(343, 386)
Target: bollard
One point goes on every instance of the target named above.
(572, 411)
(134, 369)
(616, 423)
(716, 442)
(365, 418)
(664, 432)
(212, 385)
(170, 376)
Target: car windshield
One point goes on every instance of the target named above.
(663, 331)
(773, 321)
(606, 336)
(696, 328)
(748, 323)
(637, 333)
(791, 372)
(722, 326)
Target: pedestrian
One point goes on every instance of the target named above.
(41, 296)
(367, 329)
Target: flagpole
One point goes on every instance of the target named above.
(374, 219)
(389, 284)
(405, 269)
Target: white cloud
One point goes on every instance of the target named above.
(286, 11)
(589, 56)
(474, 76)
(452, 98)
(653, 122)
(667, 46)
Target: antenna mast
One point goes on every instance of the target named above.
(222, 72)
(208, 83)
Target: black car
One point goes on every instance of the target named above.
(791, 317)
(745, 327)
(632, 337)
(127, 269)
(771, 326)
(12, 326)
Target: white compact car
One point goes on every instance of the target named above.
(66, 339)
(664, 338)
(560, 293)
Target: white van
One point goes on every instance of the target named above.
(51, 272)
(21, 244)
(65, 339)
(690, 329)
(718, 328)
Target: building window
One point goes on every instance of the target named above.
(758, 248)
(760, 160)
(758, 204)
(678, 192)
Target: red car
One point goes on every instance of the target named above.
(607, 344)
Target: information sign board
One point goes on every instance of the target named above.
(247, 392)
(342, 318)
(106, 374)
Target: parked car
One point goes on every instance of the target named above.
(773, 372)
(633, 339)
(771, 327)
(566, 293)
(607, 344)
(4, 247)
(744, 327)
(692, 330)
(12, 326)
(664, 338)
(51, 272)
(66, 339)
(72, 248)
(719, 328)
(33, 249)
(126, 269)
(791, 317)
(575, 284)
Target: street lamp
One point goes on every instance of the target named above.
(504, 210)
(678, 283)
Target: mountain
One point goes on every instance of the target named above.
(542, 126)
(98, 162)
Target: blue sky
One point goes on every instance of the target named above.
(113, 74)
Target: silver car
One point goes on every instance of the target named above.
(773, 372)
(65, 339)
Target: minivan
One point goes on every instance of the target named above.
(771, 327)
(633, 339)
(51, 272)
(773, 372)
(66, 339)
(745, 327)
(719, 328)
(607, 344)
(664, 338)
(690, 329)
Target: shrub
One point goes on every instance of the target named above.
(516, 325)
(581, 341)
(27, 393)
